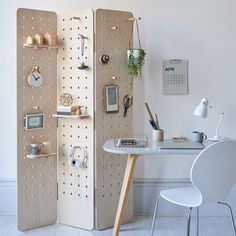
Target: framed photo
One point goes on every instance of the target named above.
(112, 98)
(34, 121)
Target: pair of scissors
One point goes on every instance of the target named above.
(127, 102)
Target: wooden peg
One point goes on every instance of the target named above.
(76, 18)
(133, 18)
(115, 28)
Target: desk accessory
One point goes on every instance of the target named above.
(201, 111)
(158, 135)
(127, 102)
(168, 144)
(179, 139)
(198, 136)
(154, 123)
(131, 142)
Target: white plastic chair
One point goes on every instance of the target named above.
(213, 174)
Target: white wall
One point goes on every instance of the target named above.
(201, 31)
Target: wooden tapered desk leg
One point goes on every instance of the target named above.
(127, 183)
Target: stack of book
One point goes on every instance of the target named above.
(62, 110)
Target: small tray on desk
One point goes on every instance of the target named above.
(130, 142)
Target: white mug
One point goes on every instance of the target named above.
(46, 147)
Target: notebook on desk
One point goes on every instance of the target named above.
(180, 145)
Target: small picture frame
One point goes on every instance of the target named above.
(34, 121)
(112, 98)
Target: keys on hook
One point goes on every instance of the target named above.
(127, 102)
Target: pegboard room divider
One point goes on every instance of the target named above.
(113, 37)
(76, 186)
(36, 178)
(87, 196)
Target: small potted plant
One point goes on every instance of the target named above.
(136, 59)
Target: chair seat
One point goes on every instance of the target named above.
(188, 197)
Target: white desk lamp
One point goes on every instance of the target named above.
(201, 111)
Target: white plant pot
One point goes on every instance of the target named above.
(135, 52)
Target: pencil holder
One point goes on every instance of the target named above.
(158, 135)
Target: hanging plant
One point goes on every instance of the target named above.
(136, 60)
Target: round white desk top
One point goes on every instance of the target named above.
(152, 148)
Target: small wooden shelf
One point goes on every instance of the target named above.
(31, 156)
(39, 46)
(71, 116)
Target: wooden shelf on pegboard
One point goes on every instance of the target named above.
(32, 156)
(71, 116)
(40, 46)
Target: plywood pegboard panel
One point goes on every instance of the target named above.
(36, 178)
(113, 37)
(76, 186)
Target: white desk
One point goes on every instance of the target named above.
(133, 154)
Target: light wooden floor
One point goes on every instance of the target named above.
(167, 226)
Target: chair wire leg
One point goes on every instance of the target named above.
(154, 214)
(231, 215)
(189, 221)
(197, 220)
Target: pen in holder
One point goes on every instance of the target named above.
(157, 133)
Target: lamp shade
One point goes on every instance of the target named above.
(201, 109)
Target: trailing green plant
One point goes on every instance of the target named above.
(135, 65)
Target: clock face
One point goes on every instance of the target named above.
(35, 79)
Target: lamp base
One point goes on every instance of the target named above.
(218, 138)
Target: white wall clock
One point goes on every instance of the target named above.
(35, 79)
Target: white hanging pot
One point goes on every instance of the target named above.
(135, 53)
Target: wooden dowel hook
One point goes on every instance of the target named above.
(115, 28)
(133, 18)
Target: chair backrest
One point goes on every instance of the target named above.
(214, 170)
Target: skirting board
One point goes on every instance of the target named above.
(146, 190)
(8, 197)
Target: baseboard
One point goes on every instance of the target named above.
(146, 190)
(8, 197)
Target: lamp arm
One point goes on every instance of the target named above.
(218, 126)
